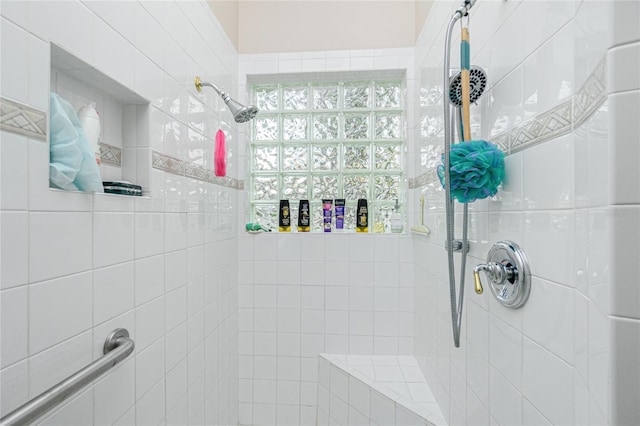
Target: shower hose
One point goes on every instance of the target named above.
(456, 302)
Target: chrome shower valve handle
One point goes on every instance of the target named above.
(497, 273)
(509, 275)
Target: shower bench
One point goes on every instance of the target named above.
(374, 389)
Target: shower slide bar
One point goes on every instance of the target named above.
(116, 348)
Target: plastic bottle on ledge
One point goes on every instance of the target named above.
(396, 219)
(90, 123)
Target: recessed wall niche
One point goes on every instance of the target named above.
(125, 151)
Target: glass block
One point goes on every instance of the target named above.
(387, 157)
(294, 127)
(356, 96)
(388, 95)
(317, 218)
(295, 187)
(266, 128)
(265, 188)
(388, 126)
(265, 158)
(325, 97)
(386, 187)
(430, 96)
(266, 215)
(325, 126)
(350, 217)
(325, 187)
(356, 126)
(295, 157)
(431, 155)
(266, 98)
(356, 186)
(431, 126)
(325, 157)
(295, 98)
(357, 157)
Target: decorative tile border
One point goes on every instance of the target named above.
(110, 154)
(544, 126)
(591, 95)
(174, 166)
(22, 119)
(557, 121)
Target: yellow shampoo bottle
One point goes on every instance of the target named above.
(284, 220)
(304, 220)
(362, 218)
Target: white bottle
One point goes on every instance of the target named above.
(396, 219)
(90, 123)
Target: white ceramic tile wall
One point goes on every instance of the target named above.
(76, 266)
(546, 363)
(314, 305)
(302, 294)
(375, 390)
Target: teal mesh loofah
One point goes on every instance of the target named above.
(477, 169)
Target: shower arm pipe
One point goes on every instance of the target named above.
(199, 84)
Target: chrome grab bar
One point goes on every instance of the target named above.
(116, 348)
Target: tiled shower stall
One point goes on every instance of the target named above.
(228, 326)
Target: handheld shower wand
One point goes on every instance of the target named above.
(240, 112)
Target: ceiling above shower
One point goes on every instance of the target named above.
(316, 25)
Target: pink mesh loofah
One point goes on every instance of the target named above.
(220, 165)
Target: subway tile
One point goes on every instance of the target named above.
(506, 401)
(72, 310)
(51, 366)
(14, 158)
(541, 368)
(150, 409)
(624, 154)
(175, 273)
(549, 229)
(625, 353)
(624, 267)
(79, 410)
(505, 351)
(548, 319)
(15, 248)
(176, 381)
(14, 45)
(149, 368)
(620, 76)
(14, 386)
(625, 30)
(550, 187)
(113, 238)
(14, 337)
(288, 392)
(113, 291)
(149, 279)
(149, 322)
(149, 234)
(48, 232)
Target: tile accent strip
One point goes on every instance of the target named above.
(110, 154)
(22, 119)
(557, 121)
(174, 166)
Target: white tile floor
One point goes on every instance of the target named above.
(380, 388)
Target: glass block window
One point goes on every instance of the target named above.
(330, 139)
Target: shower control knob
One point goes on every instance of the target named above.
(496, 272)
(509, 275)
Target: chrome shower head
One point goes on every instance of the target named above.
(241, 113)
(477, 81)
